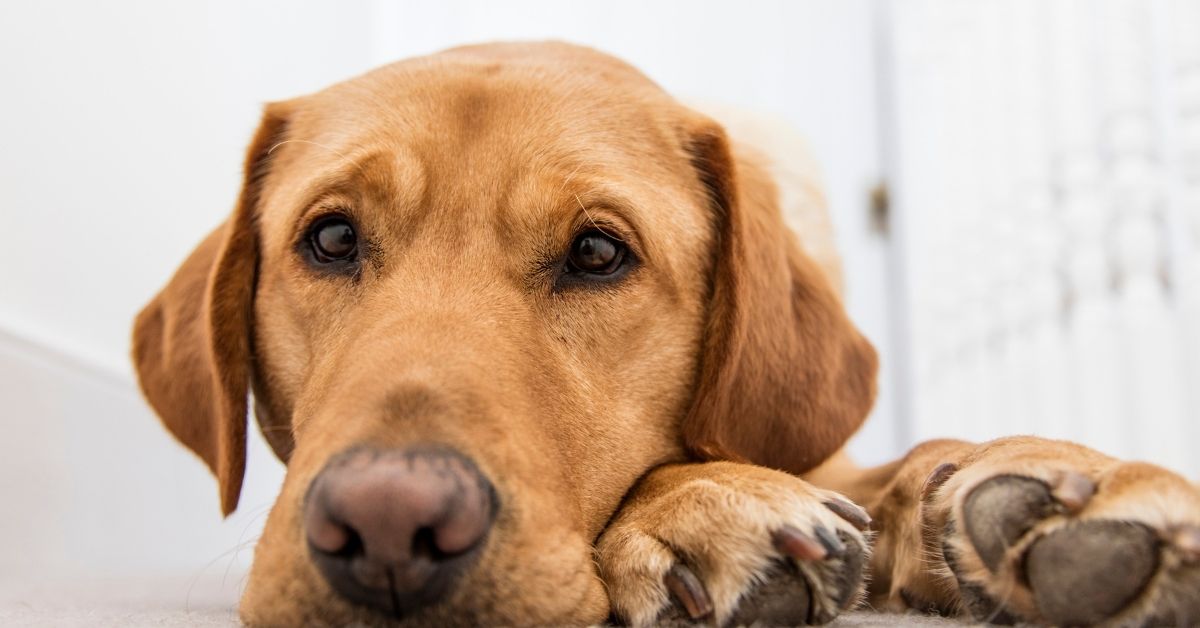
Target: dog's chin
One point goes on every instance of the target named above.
(286, 602)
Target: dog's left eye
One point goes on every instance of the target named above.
(333, 240)
(596, 253)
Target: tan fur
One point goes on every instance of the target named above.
(721, 516)
(621, 426)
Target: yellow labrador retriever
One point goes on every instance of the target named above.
(537, 347)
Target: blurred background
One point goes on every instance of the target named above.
(1015, 186)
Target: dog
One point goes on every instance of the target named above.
(538, 347)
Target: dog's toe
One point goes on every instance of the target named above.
(783, 599)
(736, 546)
(1000, 511)
(815, 578)
(807, 590)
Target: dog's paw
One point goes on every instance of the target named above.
(732, 544)
(1053, 533)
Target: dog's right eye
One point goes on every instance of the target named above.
(332, 240)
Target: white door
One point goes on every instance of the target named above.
(1045, 161)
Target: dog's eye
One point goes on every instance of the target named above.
(596, 253)
(333, 239)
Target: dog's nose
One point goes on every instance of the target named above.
(393, 529)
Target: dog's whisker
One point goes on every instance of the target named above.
(317, 144)
(258, 513)
(200, 572)
(357, 165)
(568, 180)
(593, 220)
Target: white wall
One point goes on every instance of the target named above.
(124, 125)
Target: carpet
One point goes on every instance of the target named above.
(209, 601)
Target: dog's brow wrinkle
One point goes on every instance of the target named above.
(357, 166)
(593, 220)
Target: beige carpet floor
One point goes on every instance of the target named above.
(204, 602)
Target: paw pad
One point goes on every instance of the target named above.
(1086, 572)
(997, 513)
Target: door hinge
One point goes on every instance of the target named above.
(880, 207)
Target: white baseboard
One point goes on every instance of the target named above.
(26, 344)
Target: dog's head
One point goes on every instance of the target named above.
(477, 295)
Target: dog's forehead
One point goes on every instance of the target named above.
(464, 130)
(465, 103)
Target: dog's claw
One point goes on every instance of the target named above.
(1073, 490)
(800, 546)
(687, 588)
(833, 545)
(937, 478)
(854, 514)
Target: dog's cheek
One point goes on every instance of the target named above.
(281, 348)
(546, 579)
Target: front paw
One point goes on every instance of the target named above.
(732, 544)
(1051, 532)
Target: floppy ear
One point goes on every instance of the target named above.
(191, 344)
(785, 378)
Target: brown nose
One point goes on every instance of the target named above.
(392, 529)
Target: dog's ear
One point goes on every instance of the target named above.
(785, 378)
(191, 344)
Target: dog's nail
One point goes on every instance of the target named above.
(686, 588)
(1073, 490)
(791, 541)
(852, 513)
(937, 478)
(833, 545)
(1187, 540)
